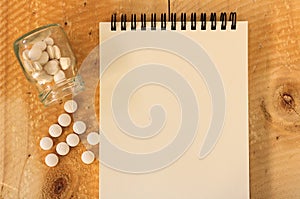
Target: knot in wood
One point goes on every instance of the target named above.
(59, 185)
(287, 101)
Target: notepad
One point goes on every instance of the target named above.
(174, 108)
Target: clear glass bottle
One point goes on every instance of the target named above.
(48, 61)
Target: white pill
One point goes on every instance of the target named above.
(44, 58)
(45, 78)
(49, 41)
(70, 106)
(50, 52)
(79, 127)
(64, 120)
(34, 53)
(25, 54)
(36, 75)
(72, 140)
(46, 143)
(52, 67)
(62, 148)
(51, 160)
(57, 53)
(37, 66)
(93, 138)
(42, 77)
(87, 157)
(65, 62)
(55, 130)
(40, 44)
(59, 76)
(28, 66)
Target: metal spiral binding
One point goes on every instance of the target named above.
(223, 19)
(133, 22)
(213, 20)
(193, 21)
(183, 21)
(173, 21)
(123, 22)
(143, 20)
(163, 22)
(153, 21)
(203, 21)
(113, 26)
(232, 18)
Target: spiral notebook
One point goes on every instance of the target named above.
(174, 107)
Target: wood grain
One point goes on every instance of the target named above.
(274, 33)
(24, 120)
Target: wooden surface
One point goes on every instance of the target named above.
(274, 111)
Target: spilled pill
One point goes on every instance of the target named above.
(70, 106)
(87, 157)
(51, 160)
(62, 148)
(72, 140)
(55, 130)
(46, 143)
(64, 120)
(93, 138)
(79, 127)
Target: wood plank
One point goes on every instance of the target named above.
(273, 94)
(24, 120)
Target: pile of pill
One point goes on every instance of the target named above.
(45, 62)
(72, 140)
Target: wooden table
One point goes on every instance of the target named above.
(274, 111)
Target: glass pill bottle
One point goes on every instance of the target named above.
(48, 61)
